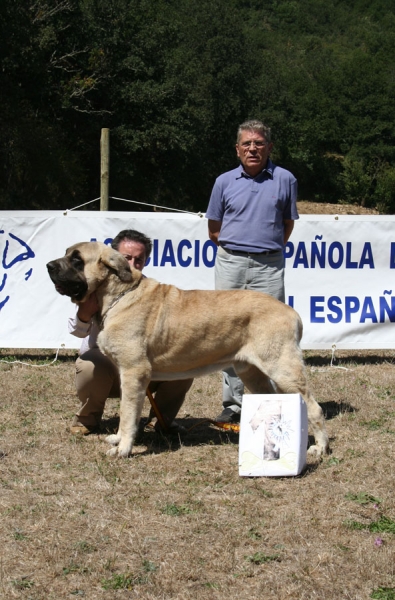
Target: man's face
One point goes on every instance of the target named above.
(134, 252)
(253, 151)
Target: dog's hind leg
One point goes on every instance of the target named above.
(289, 377)
(133, 386)
(255, 380)
(317, 423)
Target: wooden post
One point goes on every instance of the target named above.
(104, 168)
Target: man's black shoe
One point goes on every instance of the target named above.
(228, 416)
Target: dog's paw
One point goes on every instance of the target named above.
(315, 452)
(112, 452)
(124, 450)
(113, 439)
(119, 452)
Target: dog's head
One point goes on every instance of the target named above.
(84, 267)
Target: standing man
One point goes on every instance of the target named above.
(250, 216)
(96, 376)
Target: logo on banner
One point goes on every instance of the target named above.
(13, 251)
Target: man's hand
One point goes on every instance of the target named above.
(88, 308)
(288, 228)
(214, 227)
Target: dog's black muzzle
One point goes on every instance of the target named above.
(68, 280)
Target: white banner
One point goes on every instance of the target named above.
(339, 272)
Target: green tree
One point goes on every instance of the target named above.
(173, 79)
(39, 169)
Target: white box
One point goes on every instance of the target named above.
(273, 435)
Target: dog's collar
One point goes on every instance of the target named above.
(113, 303)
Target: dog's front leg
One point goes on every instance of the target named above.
(133, 386)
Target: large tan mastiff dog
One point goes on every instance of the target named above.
(154, 332)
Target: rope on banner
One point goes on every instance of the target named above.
(189, 212)
(80, 205)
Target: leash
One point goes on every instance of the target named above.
(156, 410)
(234, 427)
(113, 303)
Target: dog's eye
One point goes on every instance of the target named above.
(77, 262)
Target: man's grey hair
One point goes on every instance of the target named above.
(256, 126)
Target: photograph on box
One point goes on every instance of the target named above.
(273, 435)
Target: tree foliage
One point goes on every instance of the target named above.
(172, 80)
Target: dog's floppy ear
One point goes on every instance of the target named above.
(113, 259)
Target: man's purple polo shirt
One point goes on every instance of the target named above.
(252, 210)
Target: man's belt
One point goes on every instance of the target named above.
(247, 254)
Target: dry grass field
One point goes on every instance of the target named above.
(175, 521)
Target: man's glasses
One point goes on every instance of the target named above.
(257, 144)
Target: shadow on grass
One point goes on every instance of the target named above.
(333, 409)
(38, 355)
(309, 469)
(198, 432)
(347, 358)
